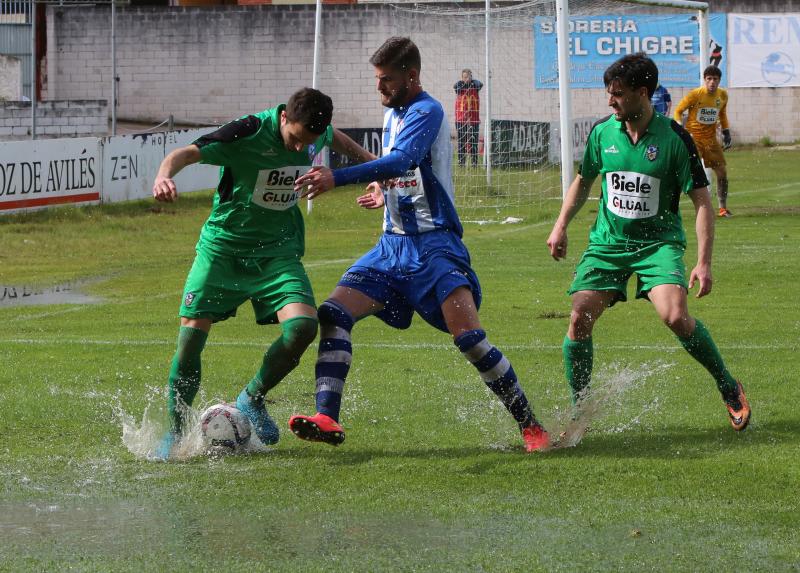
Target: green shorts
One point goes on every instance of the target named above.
(218, 284)
(602, 268)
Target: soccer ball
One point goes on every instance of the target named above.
(224, 426)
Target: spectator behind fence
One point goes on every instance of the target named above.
(468, 121)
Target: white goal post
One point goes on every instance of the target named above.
(534, 116)
(562, 18)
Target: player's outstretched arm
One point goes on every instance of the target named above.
(317, 181)
(345, 145)
(164, 188)
(704, 227)
(577, 194)
(373, 198)
(321, 179)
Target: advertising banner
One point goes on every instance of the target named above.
(519, 143)
(581, 127)
(369, 138)
(597, 41)
(765, 49)
(130, 163)
(43, 173)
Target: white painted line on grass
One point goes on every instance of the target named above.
(778, 187)
(381, 345)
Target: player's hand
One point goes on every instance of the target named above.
(702, 274)
(373, 199)
(164, 189)
(726, 139)
(316, 182)
(557, 243)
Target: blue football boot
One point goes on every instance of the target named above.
(165, 446)
(256, 412)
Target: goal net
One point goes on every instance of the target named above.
(509, 165)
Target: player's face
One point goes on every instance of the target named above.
(628, 104)
(295, 136)
(466, 77)
(394, 85)
(711, 83)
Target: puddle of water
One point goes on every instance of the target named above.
(115, 531)
(66, 293)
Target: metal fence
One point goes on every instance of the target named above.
(15, 11)
(15, 36)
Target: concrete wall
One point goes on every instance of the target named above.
(76, 118)
(10, 78)
(210, 64)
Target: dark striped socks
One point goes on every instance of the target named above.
(334, 357)
(497, 373)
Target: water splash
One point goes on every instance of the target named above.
(604, 396)
(142, 438)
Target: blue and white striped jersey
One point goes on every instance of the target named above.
(423, 199)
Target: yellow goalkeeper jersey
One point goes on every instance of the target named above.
(705, 110)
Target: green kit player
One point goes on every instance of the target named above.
(646, 162)
(250, 246)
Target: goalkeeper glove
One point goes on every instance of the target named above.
(726, 139)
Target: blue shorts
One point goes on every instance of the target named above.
(408, 273)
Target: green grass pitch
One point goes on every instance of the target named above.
(432, 476)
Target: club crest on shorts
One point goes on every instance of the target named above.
(651, 153)
(188, 299)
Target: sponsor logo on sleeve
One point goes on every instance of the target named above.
(632, 195)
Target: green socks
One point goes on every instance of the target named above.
(284, 354)
(578, 360)
(702, 348)
(184, 376)
(281, 358)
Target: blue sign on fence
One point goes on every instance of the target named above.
(597, 41)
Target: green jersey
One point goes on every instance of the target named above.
(255, 212)
(641, 183)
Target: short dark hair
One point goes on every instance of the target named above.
(712, 71)
(398, 53)
(311, 108)
(634, 71)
